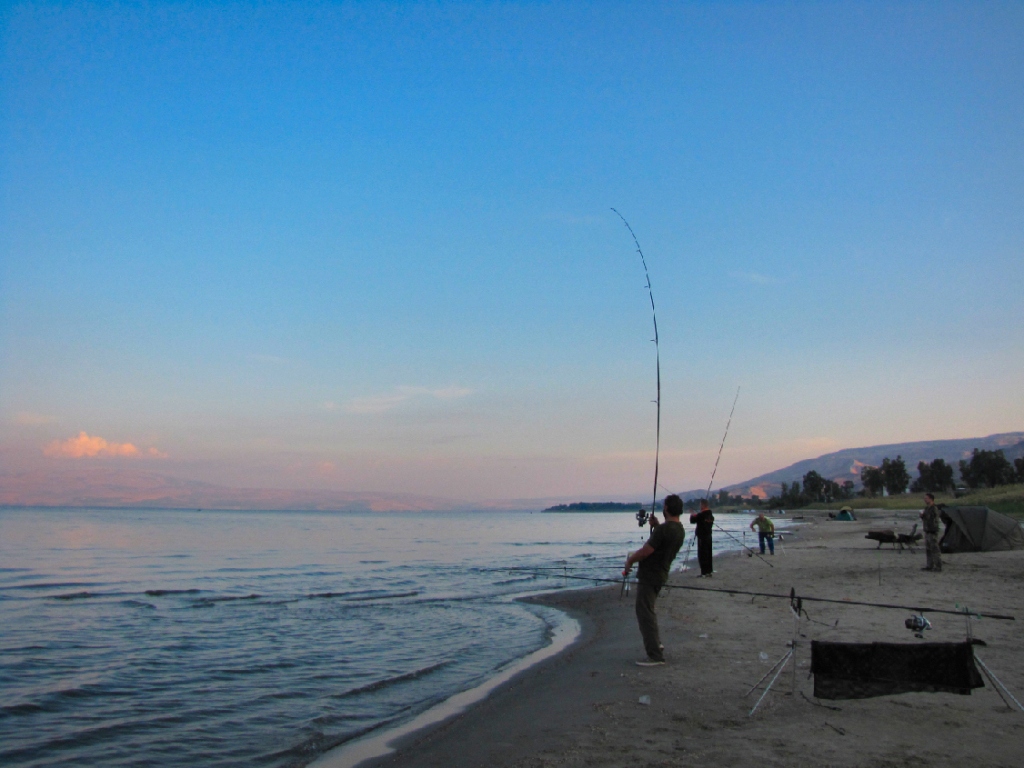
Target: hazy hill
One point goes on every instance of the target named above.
(99, 486)
(846, 464)
(105, 487)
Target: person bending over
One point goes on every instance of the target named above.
(765, 531)
(704, 520)
(655, 558)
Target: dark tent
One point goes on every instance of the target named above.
(979, 529)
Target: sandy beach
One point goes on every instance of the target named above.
(583, 707)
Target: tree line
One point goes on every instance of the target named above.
(814, 489)
(985, 469)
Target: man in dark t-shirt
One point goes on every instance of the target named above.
(703, 520)
(655, 558)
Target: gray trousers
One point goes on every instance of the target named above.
(646, 596)
(931, 551)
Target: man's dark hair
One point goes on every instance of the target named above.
(930, 496)
(673, 505)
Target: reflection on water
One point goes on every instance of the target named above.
(149, 637)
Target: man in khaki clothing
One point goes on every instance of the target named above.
(930, 520)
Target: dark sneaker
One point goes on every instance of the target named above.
(650, 663)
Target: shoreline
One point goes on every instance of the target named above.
(380, 743)
(564, 632)
(371, 748)
(582, 705)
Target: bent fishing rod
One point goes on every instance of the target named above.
(657, 358)
(657, 402)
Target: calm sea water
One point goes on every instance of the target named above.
(154, 637)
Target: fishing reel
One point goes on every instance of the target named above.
(642, 516)
(917, 625)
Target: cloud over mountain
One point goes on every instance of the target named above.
(86, 446)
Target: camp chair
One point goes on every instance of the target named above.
(908, 540)
(886, 536)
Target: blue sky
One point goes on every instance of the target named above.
(368, 246)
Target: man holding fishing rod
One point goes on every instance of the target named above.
(704, 520)
(655, 558)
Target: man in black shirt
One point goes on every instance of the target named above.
(704, 520)
(655, 558)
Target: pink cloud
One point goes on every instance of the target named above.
(88, 446)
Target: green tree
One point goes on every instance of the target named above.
(987, 469)
(873, 480)
(792, 496)
(814, 486)
(895, 477)
(1018, 465)
(934, 477)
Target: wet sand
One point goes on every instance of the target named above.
(583, 708)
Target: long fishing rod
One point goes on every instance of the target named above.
(657, 357)
(720, 447)
(793, 597)
(707, 495)
(750, 552)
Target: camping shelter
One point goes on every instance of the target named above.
(846, 513)
(980, 529)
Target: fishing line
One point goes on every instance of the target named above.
(707, 495)
(750, 552)
(727, 533)
(792, 596)
(657, 356)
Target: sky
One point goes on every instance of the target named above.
(370, 246)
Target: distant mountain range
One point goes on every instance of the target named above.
(105, 487)
(847, 464)
(99, 486)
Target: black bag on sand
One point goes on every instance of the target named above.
(863, 670)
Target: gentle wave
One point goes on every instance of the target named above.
(394, 680)
(225, 599)
(53, 585)
(392, 596)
